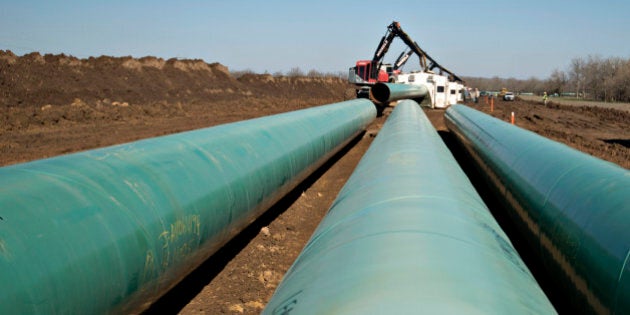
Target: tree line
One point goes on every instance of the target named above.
(594, 77)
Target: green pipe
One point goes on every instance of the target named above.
(112, 229)
(389, 92)
(574, 207)
(408, 234)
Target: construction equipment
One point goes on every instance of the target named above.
(366, 73)
(360, 74)
(402, 59)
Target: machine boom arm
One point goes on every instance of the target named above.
(367, 73)
(395, 29)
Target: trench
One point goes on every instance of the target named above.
(187, 289)
(555, 293)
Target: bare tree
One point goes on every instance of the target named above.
(576, 74)
(620, 85)
(295, 72)
(594, 77)
(314, 74)
(557, 81)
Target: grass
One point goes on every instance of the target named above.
(578, 102)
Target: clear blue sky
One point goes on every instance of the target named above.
(472, 38)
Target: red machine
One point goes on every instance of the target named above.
(369, 72)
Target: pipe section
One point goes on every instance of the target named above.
(408, 234)
(389, 92)
(112, 229)
(574, 207)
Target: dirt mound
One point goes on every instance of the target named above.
(46, 101)
(36, 81)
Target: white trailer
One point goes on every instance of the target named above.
(442, 92)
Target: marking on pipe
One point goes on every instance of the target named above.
(149, 266)
(4, 251)
(181, 239)
(287, 305)
(625, 262)
(621, 273)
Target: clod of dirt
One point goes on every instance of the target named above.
(265, 231)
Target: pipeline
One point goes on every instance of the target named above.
(408, 234)
(389, 92)
(112, 229)
(573, 207)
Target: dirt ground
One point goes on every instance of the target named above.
(598, 131)
(57, 104)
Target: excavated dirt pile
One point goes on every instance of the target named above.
(57, 104)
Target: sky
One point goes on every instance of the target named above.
(508, 39)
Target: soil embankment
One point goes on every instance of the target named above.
(56, 104)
